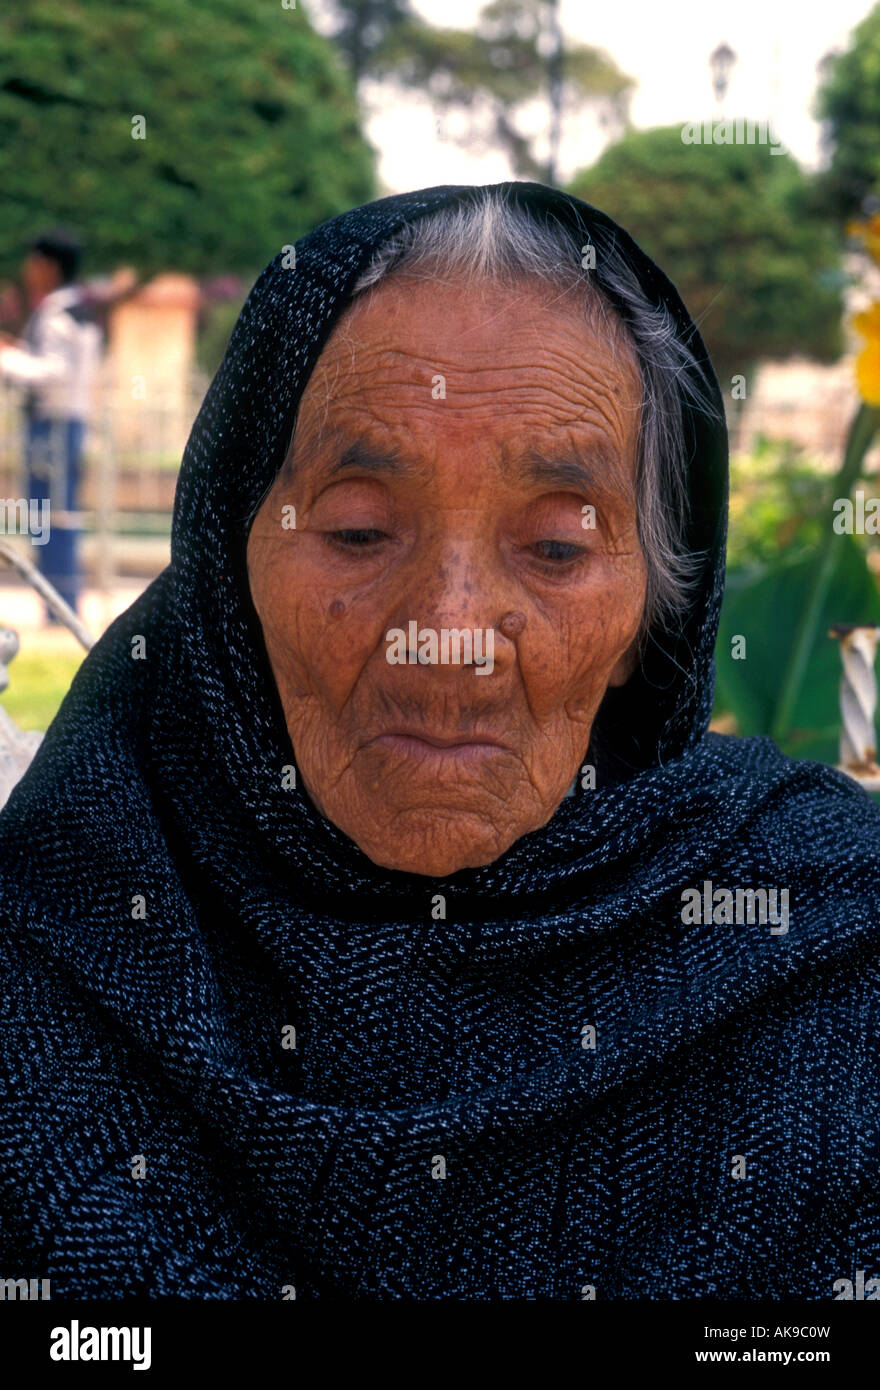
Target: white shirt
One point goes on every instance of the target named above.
(58, 369)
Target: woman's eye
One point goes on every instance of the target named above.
(360, 539)
(557, 552)
(365, 538)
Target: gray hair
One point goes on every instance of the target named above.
(492, 239)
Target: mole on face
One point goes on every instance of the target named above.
(337, 608)
(512, 624)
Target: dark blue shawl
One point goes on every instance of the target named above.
(717, 1135)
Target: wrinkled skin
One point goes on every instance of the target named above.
(456, 538)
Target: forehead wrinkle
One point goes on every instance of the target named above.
(618, 399)
(526, 412)
(573, 390)
(546, 387)
(361, 342)
(357, 421)
(592, 316)
(577, 383)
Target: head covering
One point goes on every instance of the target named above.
(558, 1086)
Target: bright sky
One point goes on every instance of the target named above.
(665, 47)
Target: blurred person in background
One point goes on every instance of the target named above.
(54, 365)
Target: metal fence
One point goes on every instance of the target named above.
(131, 460)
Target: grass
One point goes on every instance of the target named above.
(39, 678)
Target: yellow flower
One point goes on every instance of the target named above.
(869, 232)
(868, 360)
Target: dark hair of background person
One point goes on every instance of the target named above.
(61, 246)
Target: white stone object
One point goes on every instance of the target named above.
(17, 746)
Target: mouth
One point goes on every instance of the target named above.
(444, 740)
(433, 747)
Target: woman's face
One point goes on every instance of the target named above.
(450, 446)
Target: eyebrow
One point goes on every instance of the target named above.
(368, 459)
(567, 470)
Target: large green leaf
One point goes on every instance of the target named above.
(765, 612)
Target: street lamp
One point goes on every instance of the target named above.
(721, 65)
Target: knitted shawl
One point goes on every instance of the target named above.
(241, 1060)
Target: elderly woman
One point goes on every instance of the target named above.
(379, 918)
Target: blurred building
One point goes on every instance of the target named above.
(148, 366)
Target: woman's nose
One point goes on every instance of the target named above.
(459, 585)
(463, 597)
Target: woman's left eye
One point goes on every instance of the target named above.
(558, 552)
(352, 539)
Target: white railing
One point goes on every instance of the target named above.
(132, 454)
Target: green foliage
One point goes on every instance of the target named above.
(785, 680)
(776, 500)
(849, 101)
(215, 330)
(766, 612)
(730, 226)
(252, 132)
(39, 679)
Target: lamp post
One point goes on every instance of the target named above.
(721, 64)
(555, 73)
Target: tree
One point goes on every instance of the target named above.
(849, 103)
(248, 119)
(731, 227)
(515, 54)
(362, 27)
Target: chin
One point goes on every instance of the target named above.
(433, 822)
(431, 849)
(429, 864)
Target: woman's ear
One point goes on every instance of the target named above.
(625, 665)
